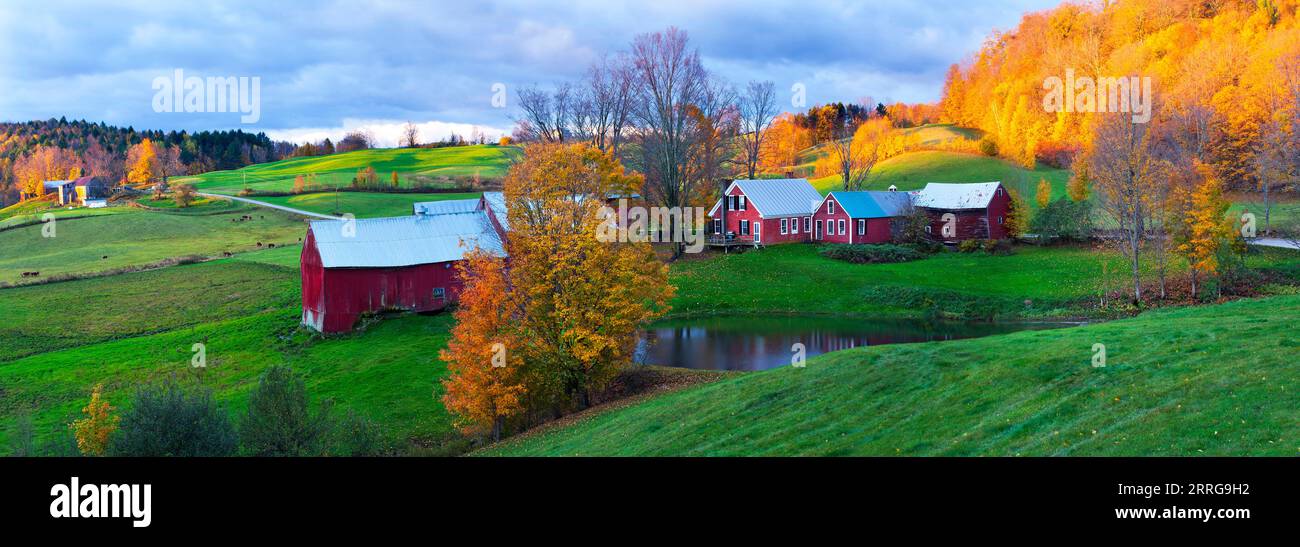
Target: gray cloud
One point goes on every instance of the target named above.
(323, 64)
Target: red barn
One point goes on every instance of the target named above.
(764, 211)
(978, 211)
(859, 217)
(353, 267)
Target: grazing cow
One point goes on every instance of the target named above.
(226, 253)
(105, 257)
(259, 244)
(270, 245)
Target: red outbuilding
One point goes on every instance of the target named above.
(965, 211)
(764, 212)
(354, 267)
(859, 217)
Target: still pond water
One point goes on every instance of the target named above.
(764, 342)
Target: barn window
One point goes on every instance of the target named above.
(999, 221)
(927, 229)
(830, 207)
(842, 232)
(744, 227)
(717, 225)
(785, 226)
(999, 191)
(862, 227)
(807, 224)
(439, 292)
(744, 204)
(794, 225)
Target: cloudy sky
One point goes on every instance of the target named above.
(325, 66)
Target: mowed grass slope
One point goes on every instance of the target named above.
(483, 160)
(65, 315)
(245, 310)
(362, 204)
(133, 237)
(1216, 380)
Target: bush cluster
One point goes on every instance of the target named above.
(872, 254)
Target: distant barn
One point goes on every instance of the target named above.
(979, 211)
(402, 263)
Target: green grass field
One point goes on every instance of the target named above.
(361, 204)
(1057, 282)
(487, 161)
(245, 310)
(912, 170)
(133, 237)
(1215, 380)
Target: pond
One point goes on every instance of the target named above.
(764, 342)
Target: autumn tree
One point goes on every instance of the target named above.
(184, 194)
(410, 135)
(93, 431)
(679, 109)
(142, 163)
(567, 309)
(854, 157)
(1207, 227)
(299, 184)
(757, 106)
(42, 164)
(781, 144)
(484, 387)
(1123, 170)
(1043, 195)
(1016, 220)
(1077, 187)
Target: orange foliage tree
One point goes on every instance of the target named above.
(45, 163)
(1207, 228)
(781, 144)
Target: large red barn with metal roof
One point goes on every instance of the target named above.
(354, 267)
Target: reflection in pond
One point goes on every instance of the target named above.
(764, 342)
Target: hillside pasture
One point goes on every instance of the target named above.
(129, 237)
(488, 161)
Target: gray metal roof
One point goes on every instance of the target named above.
(496, 201)
(939, 195)
(779, 197)
(445, 206)
(403, 241)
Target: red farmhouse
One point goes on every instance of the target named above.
(354, 267)
(859, 217)
(765, 211)
(978, 211)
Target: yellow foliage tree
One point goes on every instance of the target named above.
(142, 163)
(1044, 193)
(570, 304)
(44, 163)
(1077, 187)
(92, 432)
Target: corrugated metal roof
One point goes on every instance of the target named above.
(54, 183)
(445, 206)
(496, 201)
(938, 195)
(404, 241)
(893, 204)
(780, 197)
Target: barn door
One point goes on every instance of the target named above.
(758, 236)
(818, 234)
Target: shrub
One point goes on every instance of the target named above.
(278, 421)
(988, 146)
(21, 437)
(356, 435)
(168, 420)
(1000, 247)
(1063, 219)
(871, 254)
(970, 245)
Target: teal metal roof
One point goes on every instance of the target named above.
(873, 204)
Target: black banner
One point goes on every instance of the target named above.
(318, 496)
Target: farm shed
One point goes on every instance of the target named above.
(978, 210)
(859, 217)
(764, 212)
(350, 268)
